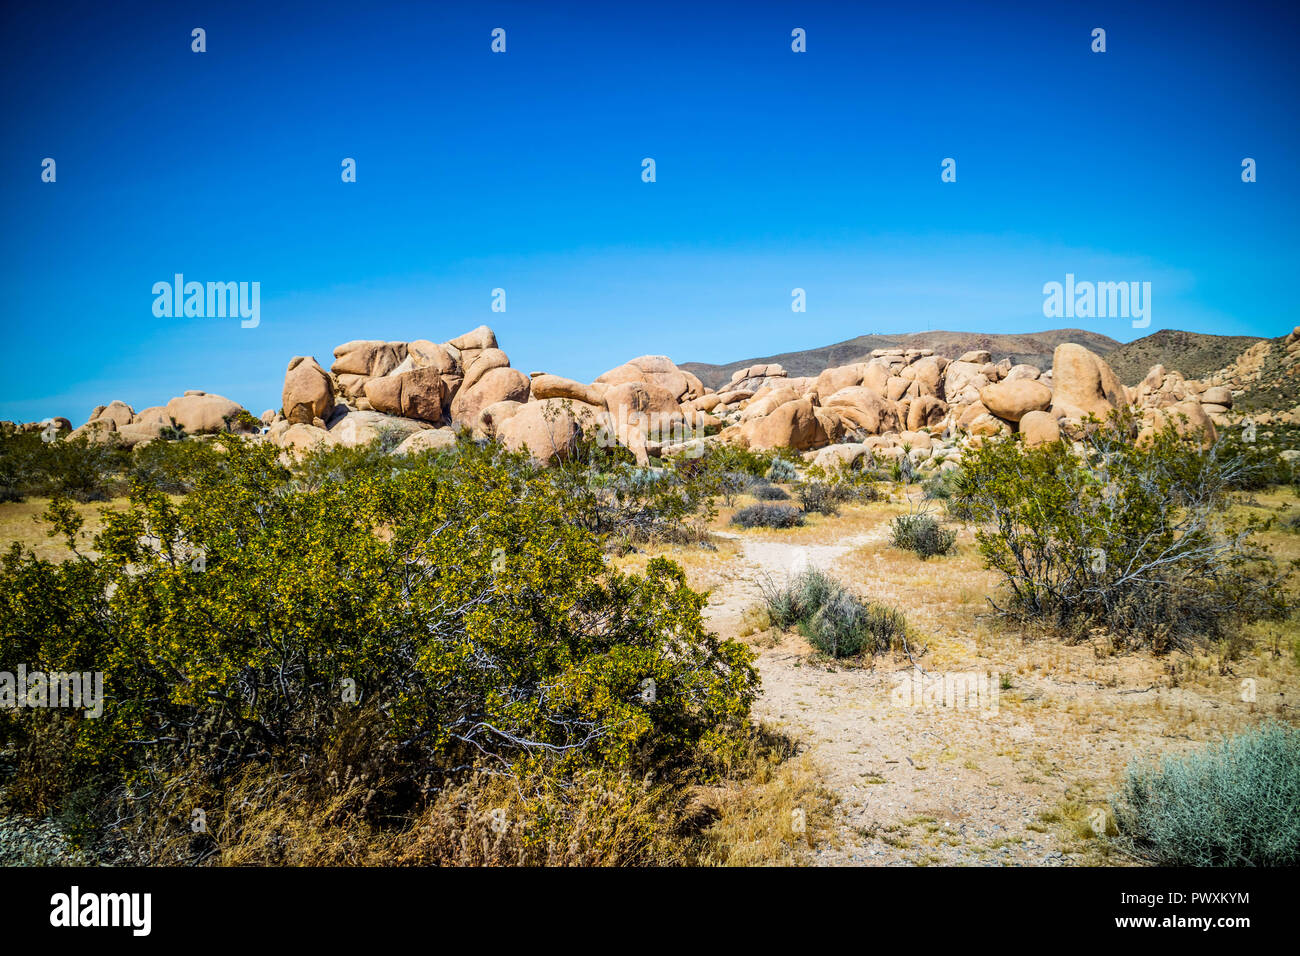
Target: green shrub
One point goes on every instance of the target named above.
(922, 534)
(767, 516)
(834, 621)
(1233, 804)
(174, 467)
(1132, 537)
(474, 620)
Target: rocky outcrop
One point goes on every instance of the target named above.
(308, 392)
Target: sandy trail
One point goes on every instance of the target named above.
(905, 794)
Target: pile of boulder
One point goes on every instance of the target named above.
(893, 403)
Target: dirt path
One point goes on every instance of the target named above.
(914, 785)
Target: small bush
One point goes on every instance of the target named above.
(782, 470)
(767, 516)
(943, 486)
(834, 620)
(1233, 804)
(922, 534)
(766, 492)
(732, 483)
(817, 496)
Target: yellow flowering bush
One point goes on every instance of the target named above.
(451, 600)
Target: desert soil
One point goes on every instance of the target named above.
(942, 785)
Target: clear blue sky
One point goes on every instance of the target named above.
(523, 171)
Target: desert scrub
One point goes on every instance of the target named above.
(1133, 537)
(403, 626)
(833, 619)
(1232, 804)
(768, 516)
(766, 492)
(817, 496)
(922, 534)
(782, 470)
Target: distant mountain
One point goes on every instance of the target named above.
(1195, 354)
(1034, 348)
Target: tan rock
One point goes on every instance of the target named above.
(925, 411)
(362, 427)
(298, 438)
(1217, 395)
(427, 439)
(490, 419)
(419, 393)
(548, 429)
(1012, 400)
(554, 386)
(792, 425)
(1083, 384)
(308, 392)
(497, 385)
(198, 414)
(480, 338)
(865, 410)
(118, 412)
(1039, 428)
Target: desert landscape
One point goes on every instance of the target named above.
(930, 605)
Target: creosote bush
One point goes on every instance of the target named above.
(358, 642)
(1134, 538)
(1231, 804)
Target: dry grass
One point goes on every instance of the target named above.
(20, 522)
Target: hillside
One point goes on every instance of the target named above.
(1033, 348)
(1195, 354)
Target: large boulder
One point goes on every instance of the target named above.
(1039, 428)
(427, 439)
(554, 386)
(1217, 395)
(499, 384)
(490, 419)
(548, 429)
(1188, 418)
(480, 338)
(358, 361)
(419, 393)
(362, 427)
(1011, 400)
(1083, 384)
(867, 412)
(843, 456)
(198, 412)
(925, 411)
(647, 398)
(793, 425)
(482, 362)
(308, 393)
(299, 438)
(118, 412)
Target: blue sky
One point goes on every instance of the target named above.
(522, 171)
